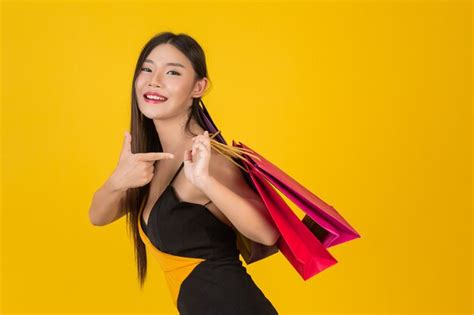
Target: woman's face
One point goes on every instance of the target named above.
(168, 72)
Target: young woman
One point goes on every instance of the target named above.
(185, 201)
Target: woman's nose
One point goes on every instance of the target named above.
(156, 79)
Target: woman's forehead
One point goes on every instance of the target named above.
(166, 53)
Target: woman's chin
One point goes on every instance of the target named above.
(151, 112)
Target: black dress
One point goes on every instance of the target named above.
(200, 259)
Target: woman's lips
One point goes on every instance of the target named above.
(152, 101)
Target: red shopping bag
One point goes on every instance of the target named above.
(321, 218)
(297, 243)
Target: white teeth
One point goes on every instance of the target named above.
(154, 97)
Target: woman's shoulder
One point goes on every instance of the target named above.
(221, 165)
(229, 174)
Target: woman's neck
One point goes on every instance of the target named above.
(173, 137)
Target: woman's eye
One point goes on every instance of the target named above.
(144, 68)
(174, 72)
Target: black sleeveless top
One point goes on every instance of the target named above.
(218, 283)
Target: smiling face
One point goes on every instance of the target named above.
(168, 72)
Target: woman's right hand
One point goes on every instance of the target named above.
(135, 169)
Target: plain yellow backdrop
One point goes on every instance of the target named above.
(366, 103)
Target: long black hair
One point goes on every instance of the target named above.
(144, 135)
(146, 139)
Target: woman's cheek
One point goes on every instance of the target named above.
(140, 80)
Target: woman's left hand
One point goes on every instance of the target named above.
(196, 160)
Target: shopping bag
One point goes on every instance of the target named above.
(296, 242)
(321, 218)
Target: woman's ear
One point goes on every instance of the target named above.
(200, 87)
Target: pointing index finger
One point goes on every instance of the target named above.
(152, 156)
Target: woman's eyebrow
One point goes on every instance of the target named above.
(176, 64)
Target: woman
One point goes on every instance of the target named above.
(186, 219)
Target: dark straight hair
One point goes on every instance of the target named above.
(146, 139)
(144, 135)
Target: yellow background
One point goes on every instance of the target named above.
(366, 103)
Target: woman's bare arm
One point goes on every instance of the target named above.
(133, 170)
(107, 204)
(230, 193)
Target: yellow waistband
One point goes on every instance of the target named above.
(176, 268)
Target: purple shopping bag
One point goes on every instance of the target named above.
(321, 218)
